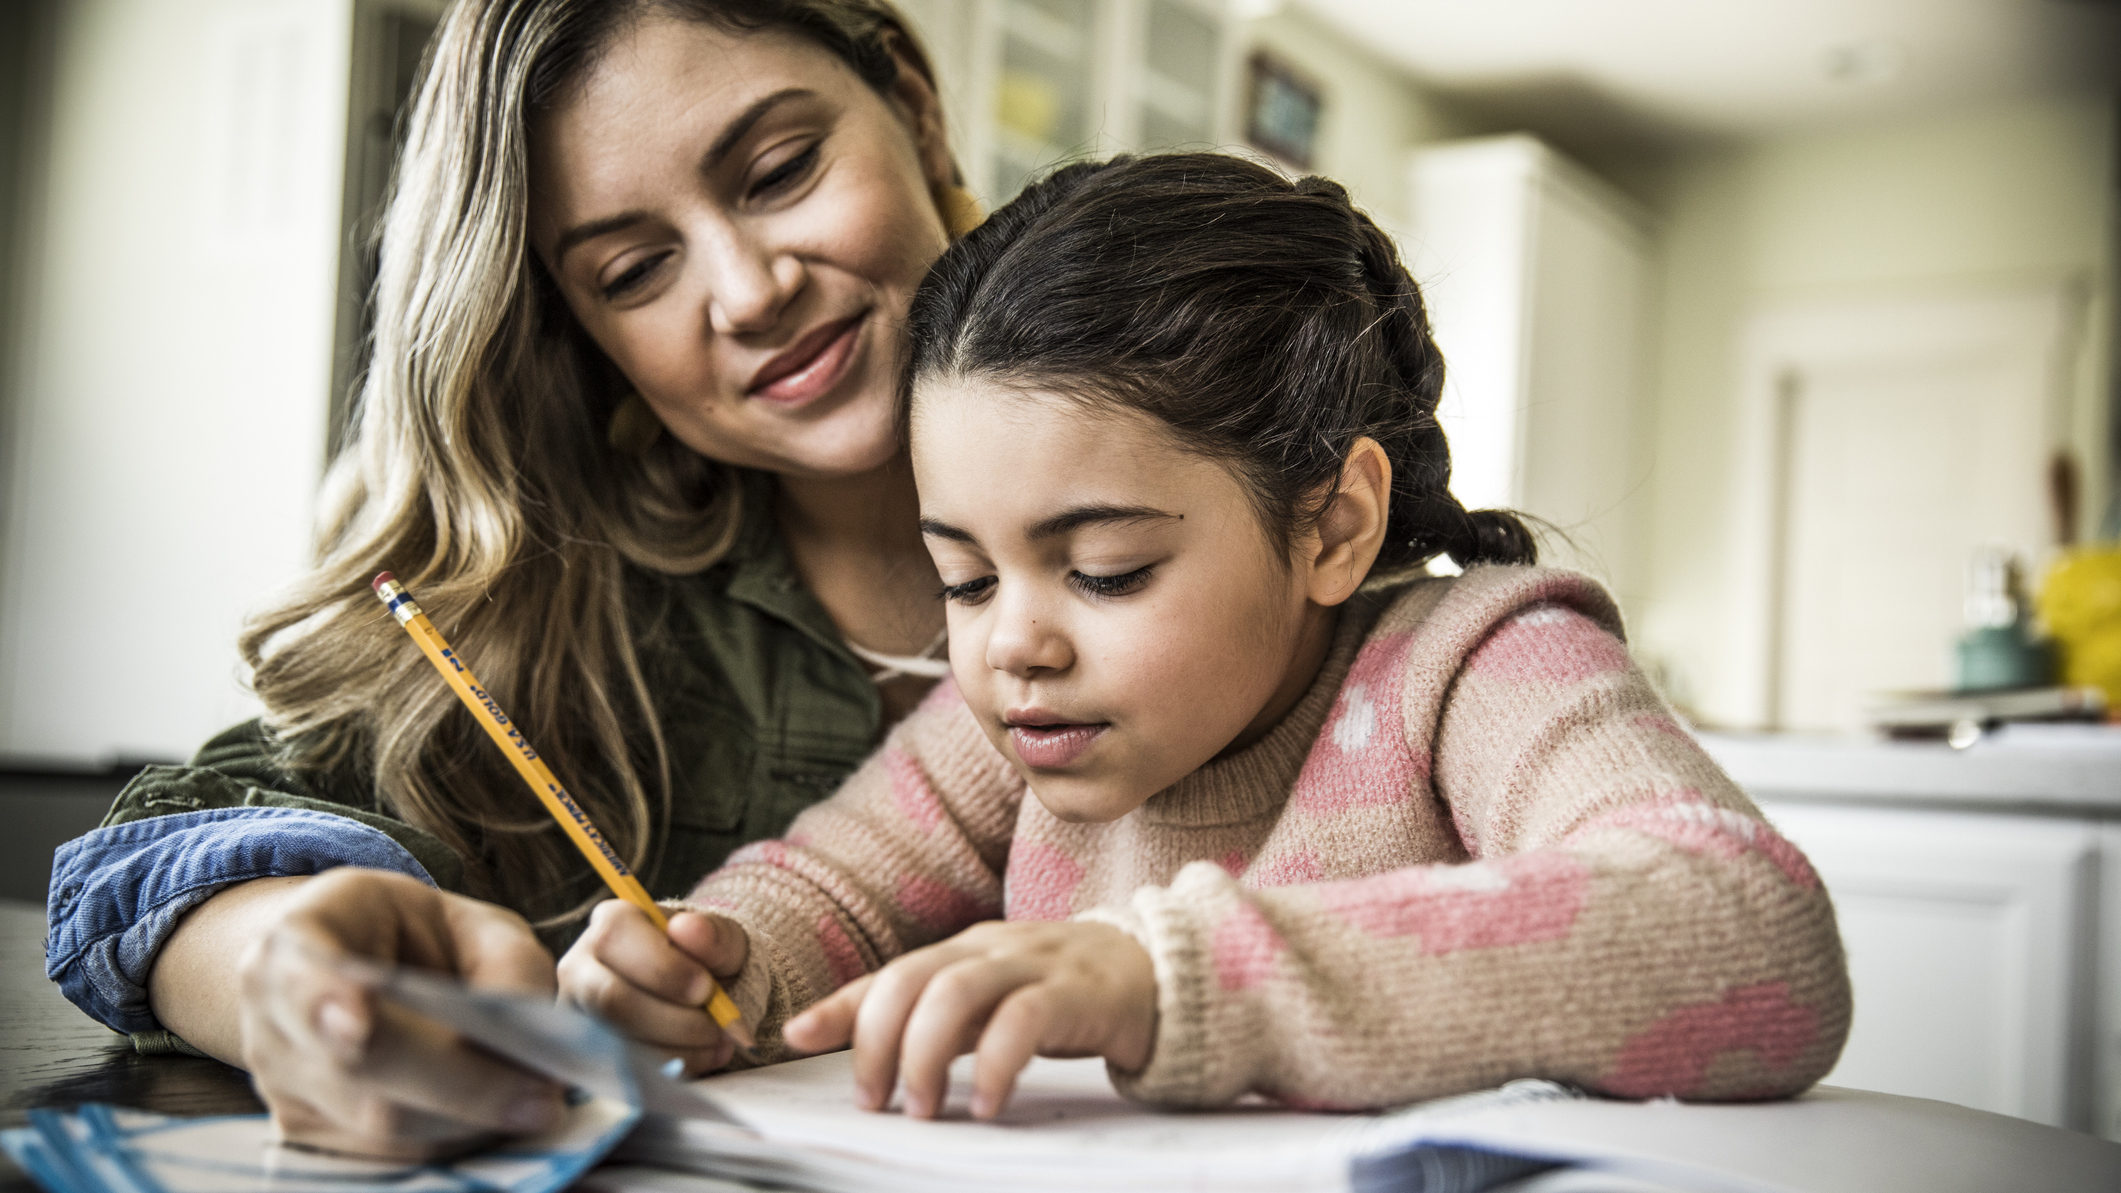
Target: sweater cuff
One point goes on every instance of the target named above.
(1180, 1061)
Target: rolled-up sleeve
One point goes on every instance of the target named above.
(118, 892)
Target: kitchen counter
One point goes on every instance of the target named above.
(2072, 770)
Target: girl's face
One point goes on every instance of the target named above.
(1118, 616)
(740, 221)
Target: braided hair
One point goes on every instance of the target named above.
(1268, 324)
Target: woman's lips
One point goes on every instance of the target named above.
(1046, 747)
(810, 367)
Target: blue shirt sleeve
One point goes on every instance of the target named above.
(118, 892)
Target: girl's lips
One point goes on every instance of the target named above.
(810, 368)
(1048, 747)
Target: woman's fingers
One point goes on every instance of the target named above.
(496, 949)
(431, 1071)
(953, 1007)
(414, 1091)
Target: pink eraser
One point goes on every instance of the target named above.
(381, 579)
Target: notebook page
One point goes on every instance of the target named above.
(1065, 1128)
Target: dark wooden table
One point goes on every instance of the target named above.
(53, 1055)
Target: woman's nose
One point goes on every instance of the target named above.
(1024, 641)
(750, 284)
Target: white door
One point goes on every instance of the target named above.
(1889, 441)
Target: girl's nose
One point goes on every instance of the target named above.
(750, 284)
(1024, 643)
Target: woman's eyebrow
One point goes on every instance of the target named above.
(723, 143)
(745, 119)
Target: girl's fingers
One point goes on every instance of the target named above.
(829, 1023)
(643, 1016)
(946, 1021)
(622, 940)
(718, 943)
(1013, 1036)
(880, 1022)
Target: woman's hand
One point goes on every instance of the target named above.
(1007, 991)
(654, 985)
(338, 1067)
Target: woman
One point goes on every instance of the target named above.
(628, 433)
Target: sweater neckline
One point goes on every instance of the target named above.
(1256, 781)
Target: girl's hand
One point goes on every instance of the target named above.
(1007, 991)
(262, 980)
(653, 985)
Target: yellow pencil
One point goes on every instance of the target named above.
(504, 733)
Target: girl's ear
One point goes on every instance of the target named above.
(1352, 529)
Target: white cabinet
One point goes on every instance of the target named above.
(1969, 943)
(1034, 83)
(1979, 898)
(1536, 275)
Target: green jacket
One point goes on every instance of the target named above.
(764, 712)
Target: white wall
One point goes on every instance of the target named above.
(1373, 113)
(174, 360)
(1952, 201)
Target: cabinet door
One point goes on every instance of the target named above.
(1969, 941)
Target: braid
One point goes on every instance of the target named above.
(1268, 323)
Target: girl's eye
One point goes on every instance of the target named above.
(1110, 586)
(971, 592)
(786, 174)
(634, 276)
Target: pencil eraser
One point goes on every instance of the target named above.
(381, 579)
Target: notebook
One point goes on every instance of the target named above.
(795, 1125)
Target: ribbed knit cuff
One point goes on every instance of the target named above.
(1178, 1070)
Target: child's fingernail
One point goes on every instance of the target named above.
(697, 991)
(982, 1106)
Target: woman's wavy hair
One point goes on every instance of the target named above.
(1267, 323)
(478, 469)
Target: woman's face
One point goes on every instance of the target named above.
(740, 222)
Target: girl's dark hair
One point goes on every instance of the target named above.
(1267, 323)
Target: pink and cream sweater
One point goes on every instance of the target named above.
(1479, 848)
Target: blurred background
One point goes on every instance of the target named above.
(1795, 318)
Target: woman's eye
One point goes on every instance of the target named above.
(971, 592)
(634, 276)
(1110, 586)
(786, 174)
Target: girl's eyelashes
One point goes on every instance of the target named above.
(1110, 586)
(971, 592)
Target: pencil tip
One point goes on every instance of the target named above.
(745, 1040)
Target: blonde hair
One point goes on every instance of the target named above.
(478, 470)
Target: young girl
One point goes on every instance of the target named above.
(1301, 821)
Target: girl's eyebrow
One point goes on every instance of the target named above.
(1060, 523)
